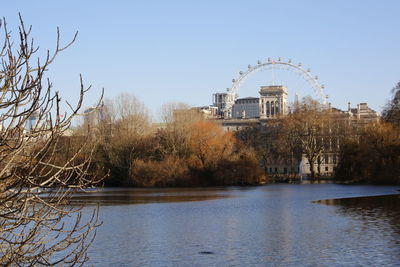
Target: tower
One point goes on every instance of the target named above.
(273, 100)
(219, 101)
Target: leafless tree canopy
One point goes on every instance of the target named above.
(391, 112)
(36, 225)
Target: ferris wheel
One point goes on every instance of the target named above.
(271, 64)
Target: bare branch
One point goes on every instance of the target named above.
(39, 168)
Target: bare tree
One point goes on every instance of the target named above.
(37, 226)
(391, 112)
(178, 119)
(264, 139)
(125, 131)
(307, 130)
(169, 111)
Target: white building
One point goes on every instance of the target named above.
(271, 104)
(362, 113)
(273, 101)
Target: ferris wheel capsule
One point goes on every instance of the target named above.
(269, 59)
(233, 80)
(322, 86)
(279, 59)
(241, 72)
(289, 61)
(299, 64)
(316, 77)
(249, 66)
(259, 62)
(308, 70)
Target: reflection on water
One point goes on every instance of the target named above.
(377, 213)
(371, 205)
(278, 225)
(145, 196)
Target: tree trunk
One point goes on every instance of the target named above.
(312, 170)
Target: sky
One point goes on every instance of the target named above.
(184, 51)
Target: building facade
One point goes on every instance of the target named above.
(273, 101)
(246, 108)
(219, 101)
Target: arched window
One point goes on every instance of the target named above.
(272, 108)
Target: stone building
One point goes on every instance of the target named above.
(273, 101)
(356, 118)
(287, 165)
(362, 114)
(271, 104)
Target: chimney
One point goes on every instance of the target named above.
(349, 106)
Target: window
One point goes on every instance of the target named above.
(326, 159)
(277, 107)
(272, 109)
(276, 170)
(326, 169)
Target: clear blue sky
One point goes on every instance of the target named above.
(163, 51)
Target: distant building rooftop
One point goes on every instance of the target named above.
(247, 100)
(273, 89)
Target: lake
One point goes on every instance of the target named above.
(274, 225)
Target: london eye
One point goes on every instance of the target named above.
(272, 64)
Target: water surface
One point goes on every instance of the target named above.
(276, 225)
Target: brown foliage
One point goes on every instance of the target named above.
(373, 157)
(174, 138)
(186, 151)
(209, 144)
(218, 158)
(124, 130)
(243, 170)
(213, 157)
(151, 173)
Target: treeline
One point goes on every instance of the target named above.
(362, 150)
(307, 133)
(373, 155)
(184, 150)
(187, 150)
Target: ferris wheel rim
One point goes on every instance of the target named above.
(243, 75)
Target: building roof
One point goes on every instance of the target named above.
(273, 89)
(248, 98)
